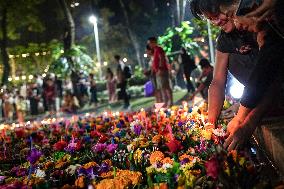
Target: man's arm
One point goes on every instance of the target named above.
(240, 132)
(199, 89)
(216, 93)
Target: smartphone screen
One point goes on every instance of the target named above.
(247, 6)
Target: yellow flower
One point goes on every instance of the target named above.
(115, 130)
(207, 134)
(156, 157)
(149, 170)
(137, 156)
(242, 161)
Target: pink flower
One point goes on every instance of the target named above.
(212, 167)
(111, 148)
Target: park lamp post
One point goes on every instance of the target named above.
(94, 21)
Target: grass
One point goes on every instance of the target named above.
(138, 103)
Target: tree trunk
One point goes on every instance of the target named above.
(132, 35)
(4, 53)
(69, 37)
(69, 41)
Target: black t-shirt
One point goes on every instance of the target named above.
(233, 41)
(240, 64)
(269, 68)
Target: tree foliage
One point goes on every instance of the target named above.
(201, 27)
(12, 22)
(80, 61)
(177, 37)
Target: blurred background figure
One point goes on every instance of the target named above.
(34, 98)
(111, 85)
(21, 108)
(93, 90)
(122, 77)
(49, 95)
(205, 79)
(187, 67)
(70, 103)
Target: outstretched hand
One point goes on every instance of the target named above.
(263, 11)
(239, 133)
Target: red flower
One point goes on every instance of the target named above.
(102, 139)
(95, 134)
(174, 145)
(60, 145)
(20, 132)
(212, 168)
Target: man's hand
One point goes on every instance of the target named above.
(239, 133)
(263, 11)
(233, 125)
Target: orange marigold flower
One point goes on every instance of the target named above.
(185, 156)
(167, 160)
(90, 164)
(79, 183)
(156, 156)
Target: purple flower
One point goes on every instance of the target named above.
(137, 129)
(103, 168)
(184, 161)
(111, 148)
(19, 171)
(34, 156)
(88, 172)
(71, 147)
(2, 178)
(99, 147)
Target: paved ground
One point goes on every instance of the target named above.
(136, 105)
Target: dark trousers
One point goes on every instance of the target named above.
(190, 87)
(122, 94)
(94, 98)
(34, 106)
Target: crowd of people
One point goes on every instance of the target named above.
(51, 95)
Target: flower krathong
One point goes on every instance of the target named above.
(171, 148)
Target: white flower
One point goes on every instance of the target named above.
(167, 166)
(129, 147)
(40, 173)
(72, 169)
(219, 132)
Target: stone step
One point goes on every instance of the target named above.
(270, 136)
